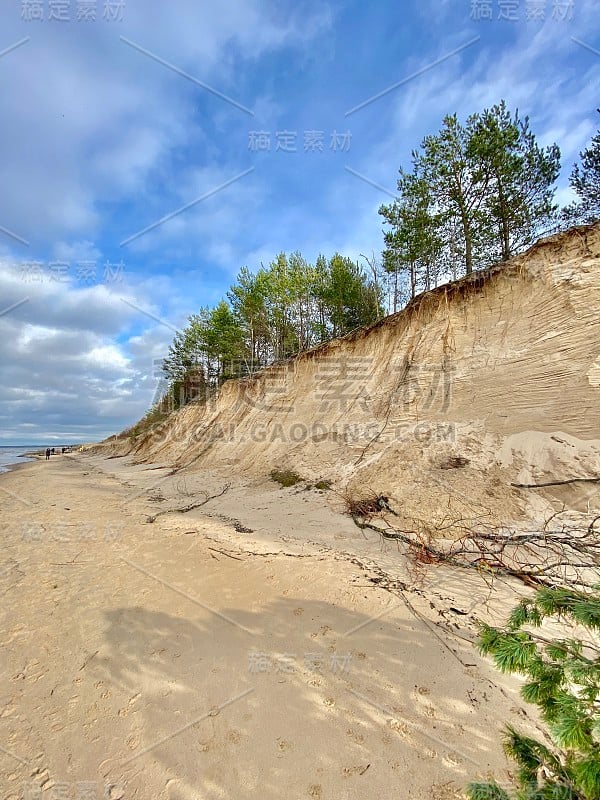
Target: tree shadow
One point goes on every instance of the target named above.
(311, 700)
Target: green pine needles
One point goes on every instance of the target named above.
(563, 680)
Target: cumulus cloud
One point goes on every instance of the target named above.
(74, 363)
(90, 119)
(104, 139)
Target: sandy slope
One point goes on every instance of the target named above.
(184, 659)
(502, 369)
(261, 645)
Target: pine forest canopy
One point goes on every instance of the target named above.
(277, 312)
(477, 193)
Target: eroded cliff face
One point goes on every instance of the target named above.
(499, 373)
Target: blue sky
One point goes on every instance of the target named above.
(110, 125)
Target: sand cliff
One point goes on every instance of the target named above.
(200, 631)
(501, 369)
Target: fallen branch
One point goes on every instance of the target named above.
(554, 483)
(225, 553)
(561, 553)
(190, 507)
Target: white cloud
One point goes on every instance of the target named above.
(90, 120)
(77, 360)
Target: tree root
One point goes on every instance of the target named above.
(560, 553)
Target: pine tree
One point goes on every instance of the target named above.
(585, 180)
(519, 176)
(350, 298)
(477, 192)
(457, 182)
(563, 680)
(413, 243)
(247, 298)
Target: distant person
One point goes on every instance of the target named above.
(52, 451)
(47, 454)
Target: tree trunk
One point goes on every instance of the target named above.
(468, 242)
(504, 229)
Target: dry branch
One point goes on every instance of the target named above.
(225, 553)
(561, 552)
(191, 506)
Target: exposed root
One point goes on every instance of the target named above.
(366, 506)
(561, 552)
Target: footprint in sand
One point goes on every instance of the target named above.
(40, 774)
(400, 727)
(123, 712)
(8, 710)
(33, 671)
(133, 741)
(356, 737)
(452, 760)
(323, 631)
(315, 791)
(283, 745)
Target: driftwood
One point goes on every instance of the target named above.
(190, 506)
(225, 553)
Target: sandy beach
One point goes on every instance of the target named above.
(300, 400)
(257, 645)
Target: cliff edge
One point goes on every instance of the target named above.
(482, 394)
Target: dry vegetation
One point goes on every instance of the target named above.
(563, 551)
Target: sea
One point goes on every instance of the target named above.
(10, 455)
